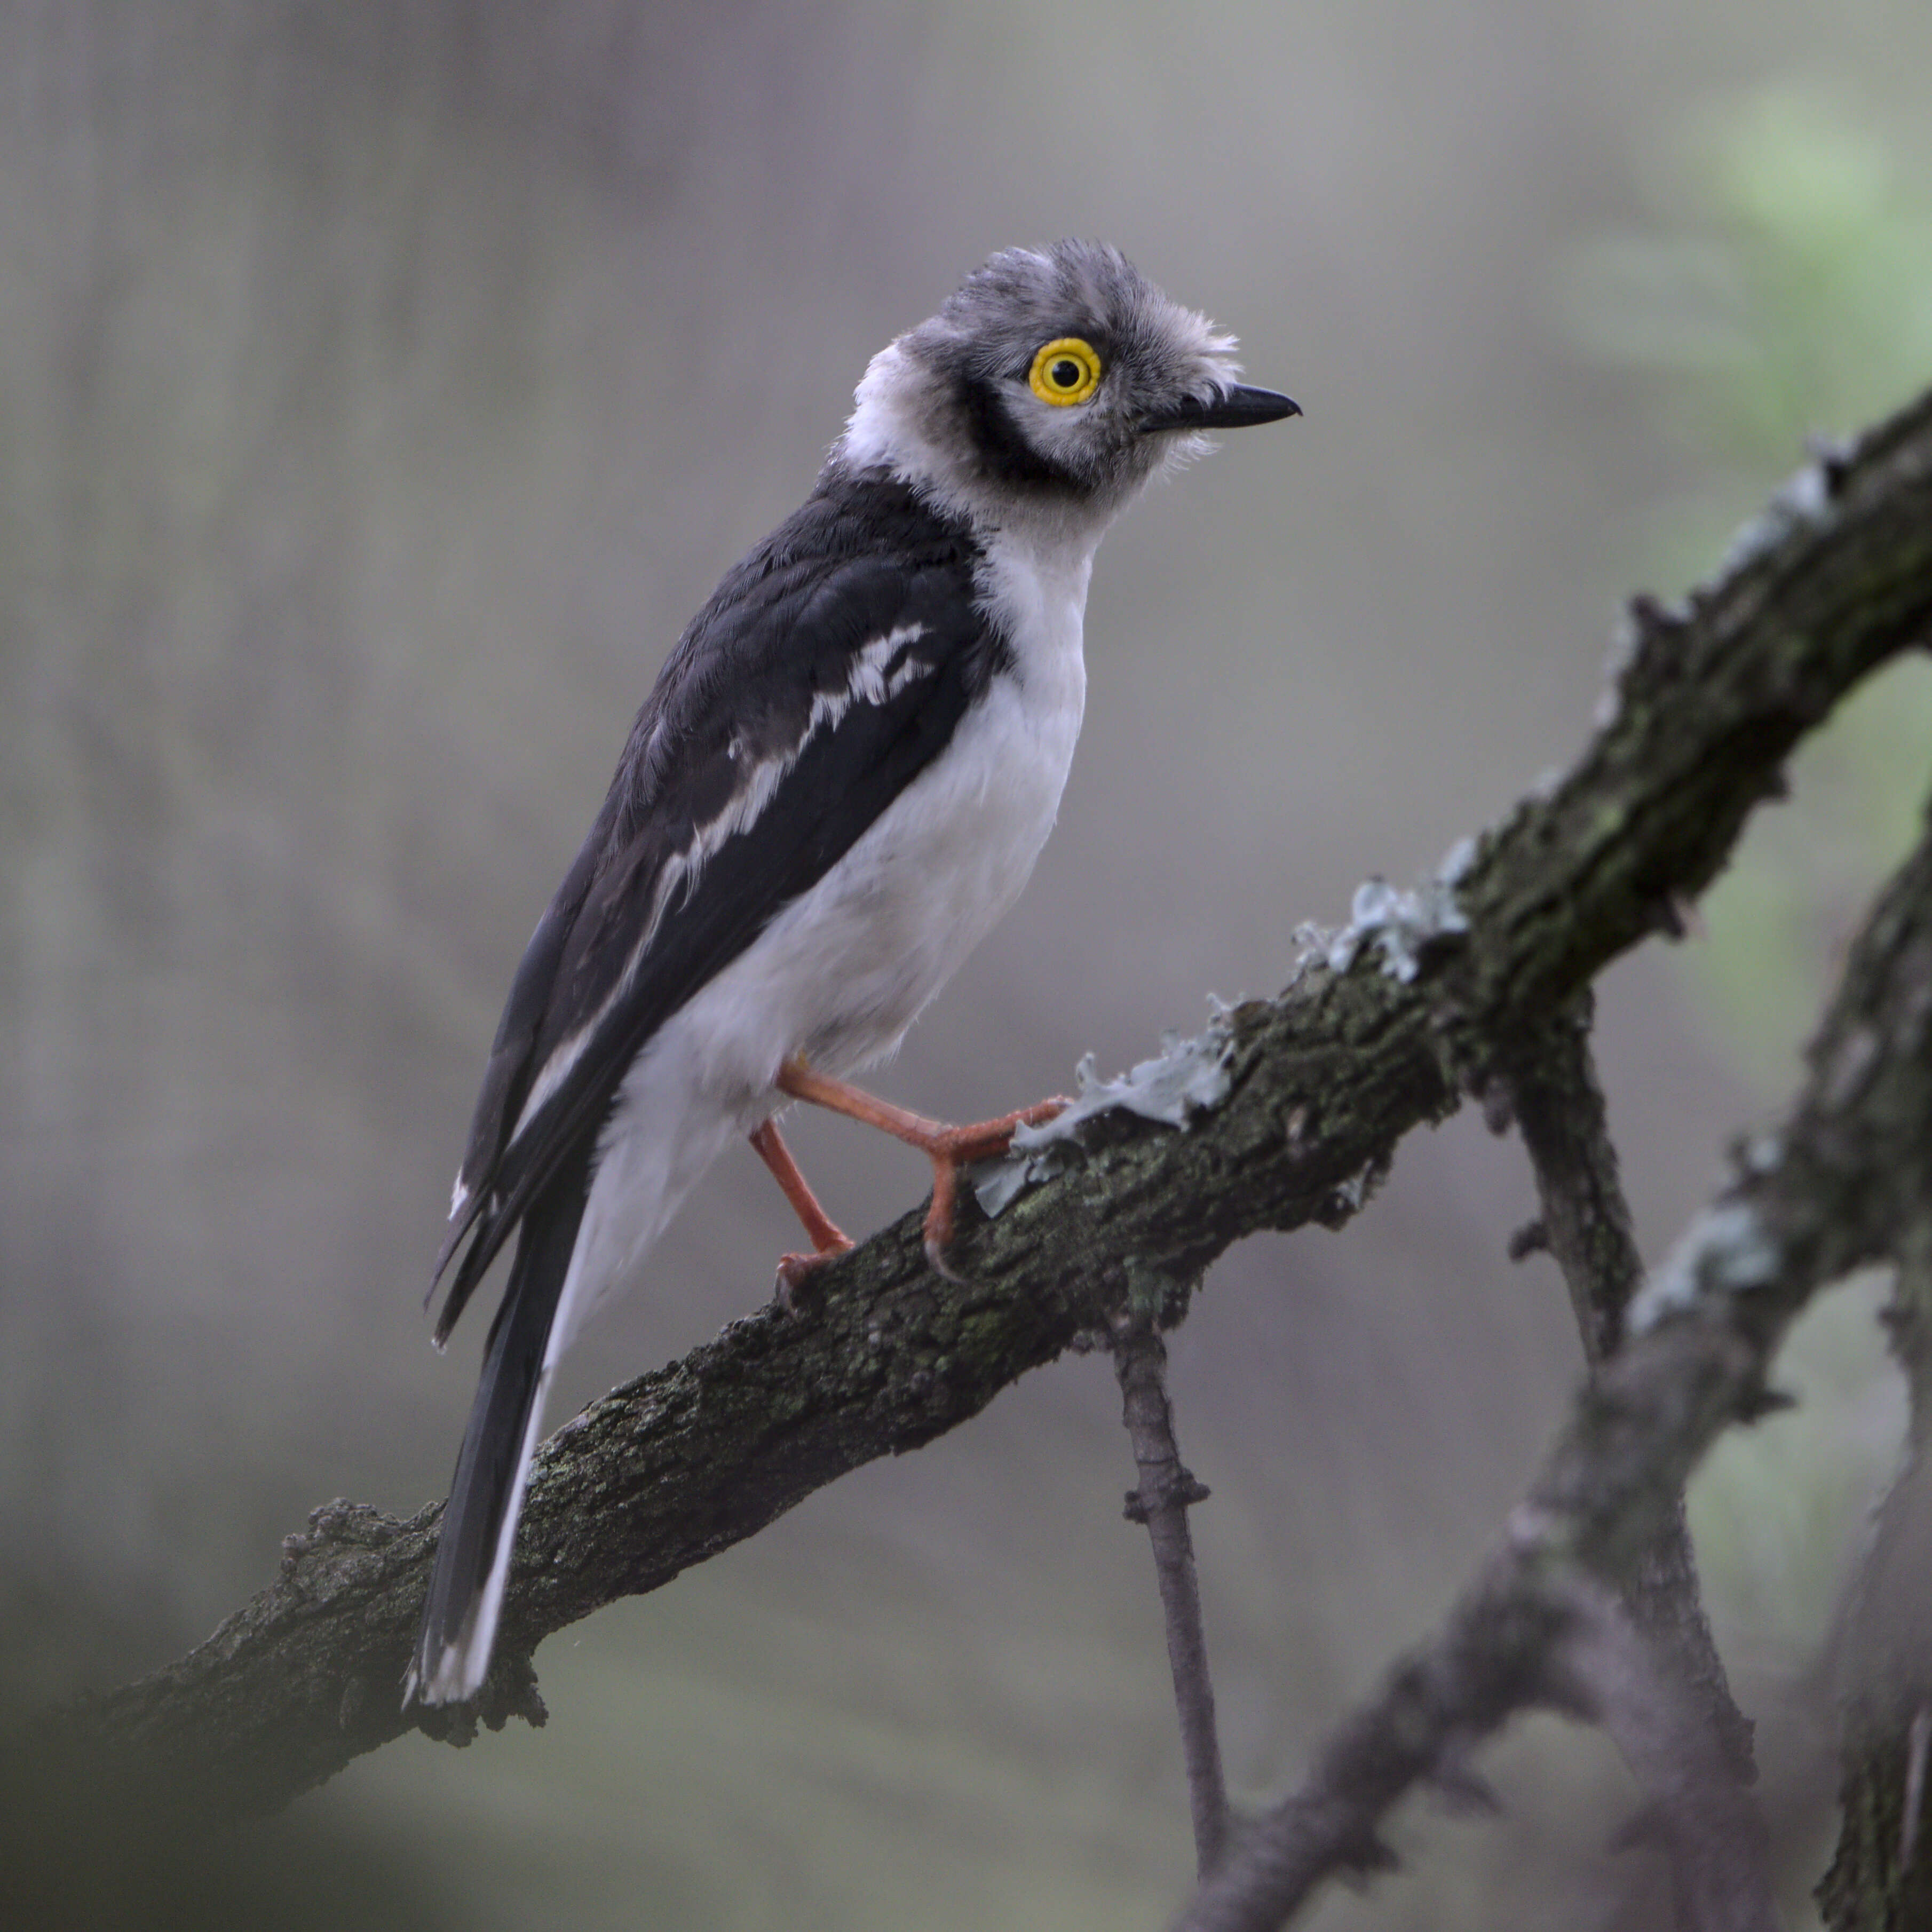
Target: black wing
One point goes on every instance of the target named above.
(826, 672)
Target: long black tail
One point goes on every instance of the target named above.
(479, 1521)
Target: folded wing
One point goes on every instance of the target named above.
(824, 676)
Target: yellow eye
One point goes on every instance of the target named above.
(1066, 370)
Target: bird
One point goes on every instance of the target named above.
(839, 782)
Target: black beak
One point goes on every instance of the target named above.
(1236, 409)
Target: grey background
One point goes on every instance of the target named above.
(381, 386)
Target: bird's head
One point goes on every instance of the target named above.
(1057, 378)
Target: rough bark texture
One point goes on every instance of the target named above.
(1321, 1083)
(1881, 1879)
(1833, 1188)
(1705, 1818)
(1165, 1492)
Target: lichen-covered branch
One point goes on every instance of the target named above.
(1313, 1090)
(1849, 1172)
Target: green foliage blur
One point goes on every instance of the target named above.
(1782, 292)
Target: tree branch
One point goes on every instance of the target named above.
(1880, 1878)
(1692, 1750)
(1835, 1187)
(1312, 1092)
(1167, 1490)
(1557, 1105)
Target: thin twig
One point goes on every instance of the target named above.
(1166, 1491)
(1558, 1107)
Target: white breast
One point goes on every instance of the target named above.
(842, 973)
(845, 969)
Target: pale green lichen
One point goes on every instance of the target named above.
(1802, 503)
(1400, 924)
(1188, 1076)
(1727, 1250)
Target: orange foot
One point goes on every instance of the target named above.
(828, 1240)
(795, 1271)
(949, 1149)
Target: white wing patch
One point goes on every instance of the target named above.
(867, 681)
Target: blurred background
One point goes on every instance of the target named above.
(381, 387)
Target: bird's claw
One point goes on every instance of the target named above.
(936, 1242)
(795, 1272)
(959, 1148)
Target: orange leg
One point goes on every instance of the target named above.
(948, 1148)
(827, 1237)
